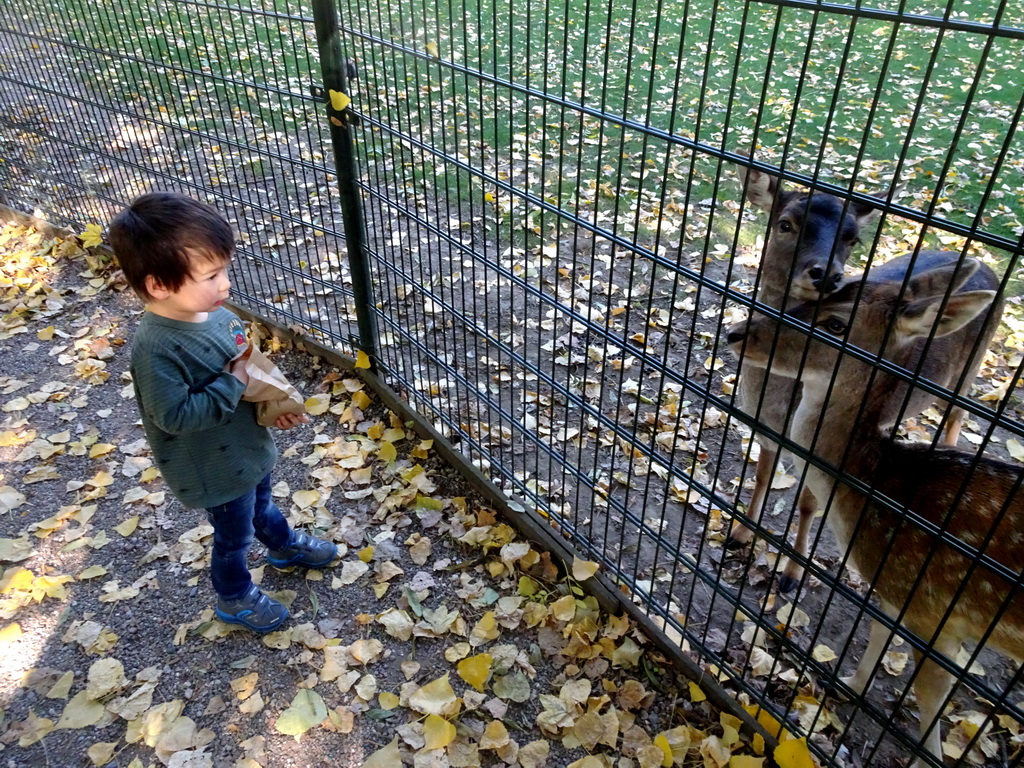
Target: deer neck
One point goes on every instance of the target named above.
(841, 430)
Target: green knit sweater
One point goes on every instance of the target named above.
(204, 437)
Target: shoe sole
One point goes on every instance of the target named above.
(229, 619)
(295, 561)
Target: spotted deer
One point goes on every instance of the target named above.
(946, 595)
(811, 237)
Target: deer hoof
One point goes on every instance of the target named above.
(734, 543)
(787, 583)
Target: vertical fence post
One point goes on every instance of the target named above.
(333, 68)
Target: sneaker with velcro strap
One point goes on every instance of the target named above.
(304, 550)
(253, 610)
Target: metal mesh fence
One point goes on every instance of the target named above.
(562, 223)
(104, 101)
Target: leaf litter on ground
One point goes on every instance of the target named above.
(439, 636)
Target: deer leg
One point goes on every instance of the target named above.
(932, 688)
(878, 640)
(807, 505)
(953, 425)
(739, 534)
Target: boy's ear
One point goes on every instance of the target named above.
(156, 289)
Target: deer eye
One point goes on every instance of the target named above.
(835, 326)
(785, 226)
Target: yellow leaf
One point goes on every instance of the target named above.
(306, 710)
(339, 100)
(360, 400)
(11, 633)
(432, 49)
(101, 479)
(127, 528)
(823, 653)
(45, 334)
(318, 404)
(745, 761)
(80, 712)
(495, 736)
(62, 687)
(306, 498)
(101, 752)
(386, 757)
(387, 452)
(696, 694)
(489, 197)
(16, 580)
(362, 359)
(527, 586)
(366, 554)
(583, 569)
(662, 743)
(435, 698)
(564, 608)
(92, 236)
(100, 449)
(13, 550)
(476, 669)
(437, 732)
(793, 754)
(486, 628)
(388, 701)
(1015, 449)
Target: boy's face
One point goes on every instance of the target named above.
(207, 288)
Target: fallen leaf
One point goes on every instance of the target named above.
(386, 757)
(339, 101)
(318, 404)
(435, 698)
(583, 569)
(80, 712)
(476, 669)
(793, 754)
(306, 711)
(437, 732)
(127, 528)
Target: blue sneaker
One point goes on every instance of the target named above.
(305, 550)
(252, 610)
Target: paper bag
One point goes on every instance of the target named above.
(269, 389)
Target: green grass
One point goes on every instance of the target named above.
(704, 71)
(715, 77)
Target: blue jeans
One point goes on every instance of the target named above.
(234, 525)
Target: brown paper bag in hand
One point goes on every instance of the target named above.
(269, 389)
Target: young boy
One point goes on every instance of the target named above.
(175, 253)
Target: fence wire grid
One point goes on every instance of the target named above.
(562, 207)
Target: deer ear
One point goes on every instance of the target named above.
(920, 317)
(760, 188)
(948, 278)
(865, 212)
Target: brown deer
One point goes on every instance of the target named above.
(946, 596)
(811, 238)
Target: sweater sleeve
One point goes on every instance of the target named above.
(174, 406)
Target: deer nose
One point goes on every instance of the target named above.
(824, 283)
(736, 334)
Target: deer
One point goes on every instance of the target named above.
(942, 595)
(811, 237)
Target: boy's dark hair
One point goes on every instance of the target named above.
(155, 235)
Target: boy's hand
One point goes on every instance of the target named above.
(237, 369)
(289, 420)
